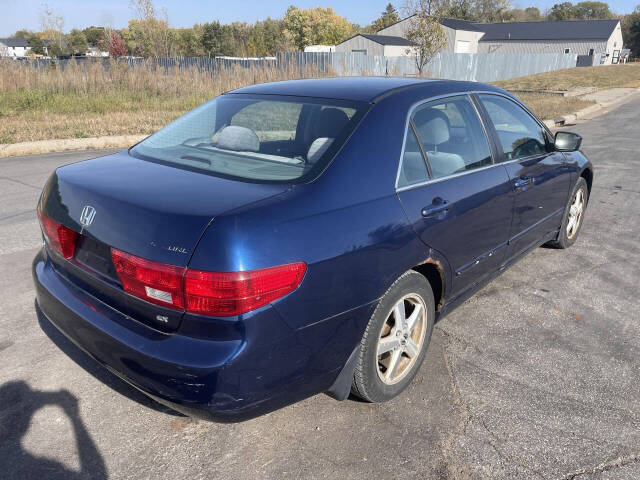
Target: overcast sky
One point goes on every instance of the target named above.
(184, 13)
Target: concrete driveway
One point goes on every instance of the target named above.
(536, 376)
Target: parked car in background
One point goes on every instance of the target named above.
(300, 237)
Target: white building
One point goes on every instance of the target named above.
(13, 47)
(601, 39)
(320, 48)
(96, 52)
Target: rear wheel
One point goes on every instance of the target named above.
(573, 216)
(396, 339)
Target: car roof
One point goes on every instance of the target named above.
(365, 89)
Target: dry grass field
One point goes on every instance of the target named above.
(610, 76)
(78, 102)
(550, 106)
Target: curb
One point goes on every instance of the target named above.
(50, 146)
(591, 110)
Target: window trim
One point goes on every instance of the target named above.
(409, 122)
(425, 159)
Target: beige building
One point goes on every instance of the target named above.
(601, 39)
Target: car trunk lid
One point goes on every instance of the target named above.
(149, 210)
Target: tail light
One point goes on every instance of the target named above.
(224, 294)
(151, 281)
(205, 293)
(60, 238)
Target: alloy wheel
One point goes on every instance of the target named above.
(575, 213)
(401, 339)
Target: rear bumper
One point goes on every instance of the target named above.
(254, 368)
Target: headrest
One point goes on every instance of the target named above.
(432, 126)
(239, 139)
(330, 123)
(317, 149)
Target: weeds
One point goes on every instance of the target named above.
(94, 100)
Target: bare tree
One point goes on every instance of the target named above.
(424, 31)
(52, 24)
(150, 31)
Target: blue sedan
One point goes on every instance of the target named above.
(299, 237)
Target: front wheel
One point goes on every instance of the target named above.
(395, 340)
(573, 216)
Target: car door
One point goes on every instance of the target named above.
(455, 196)
(538, 173)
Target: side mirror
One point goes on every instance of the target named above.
(567, 141)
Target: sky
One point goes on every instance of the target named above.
(23, 14)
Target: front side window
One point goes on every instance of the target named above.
(256, 138)
(451, 136)
(519, 134)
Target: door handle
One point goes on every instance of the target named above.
(438, 208)
(523, 182)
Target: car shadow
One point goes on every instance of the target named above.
(18, 403)
(95, 369)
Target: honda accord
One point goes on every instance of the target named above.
(299, 237)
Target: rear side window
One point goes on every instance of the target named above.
(450, 136)
(519, 134)
(413, 169)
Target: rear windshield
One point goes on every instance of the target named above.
(256, 138)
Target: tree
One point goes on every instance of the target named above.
(189, 42)
(24, 34)
(36, 44)
(266, 38)
(52, 26)
(113, 43)
(93, 35)
(631, 31)
(149, 34)
(77, 42)
(592, 11)
(474, 10)
(239, 33)
(387, 18)
(562, 11)
(425, 32)
(529, 14)
(462, 9)
(491, 10)
(217, 39)
(315, 26)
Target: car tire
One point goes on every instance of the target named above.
(573, 216)
(380, 377)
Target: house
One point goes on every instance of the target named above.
(387, 45)
(462, 36)
(13, 47)
(601, 39)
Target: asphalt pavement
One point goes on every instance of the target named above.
(536, 376)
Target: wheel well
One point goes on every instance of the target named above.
(587, 174)
(432, 271)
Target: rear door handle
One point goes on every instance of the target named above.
(438, 208)
(523, 182)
